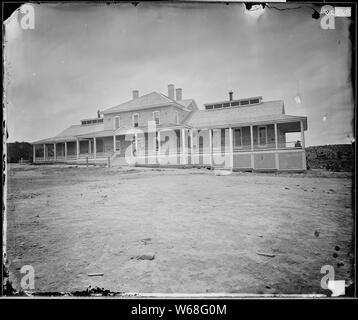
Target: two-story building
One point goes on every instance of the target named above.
(166, 130)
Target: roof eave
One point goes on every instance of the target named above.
(248, 123)
(162, 105)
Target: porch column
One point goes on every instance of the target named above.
(302, 134)
(34, 153)
(78, 148)
(136, 143)
(44, 152)
(210, 147)
(65, 150)
(252, 146)
(54, 151)
(159, 147)
(184, 155)
(276, 140)
(231, 148)
(304, 164)
(94, 147)
(89, 147)
(114, 143)
(191, 142)
(276, 146)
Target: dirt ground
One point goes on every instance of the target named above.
(204, 230)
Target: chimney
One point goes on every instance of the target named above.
(179, 92)
(171, 91)
(230, 95)
(135, 94)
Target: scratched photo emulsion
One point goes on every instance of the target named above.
(178, 149)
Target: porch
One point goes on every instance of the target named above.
(261, 146)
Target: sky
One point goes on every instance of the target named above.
(81, 58)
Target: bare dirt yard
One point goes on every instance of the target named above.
(202, 232)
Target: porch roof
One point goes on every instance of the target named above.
(124, 130)
(99, 134)
(264, 113)
(254, 121)
(72, 132)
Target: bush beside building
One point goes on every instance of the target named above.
(336, 157)
(17, 150)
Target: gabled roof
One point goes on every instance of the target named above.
(188, 103)
(266, 111)
(150, 100)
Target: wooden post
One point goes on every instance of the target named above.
(276, 147)
(94, 147)
(304, 164)
(33, 153)
(44, 152)
(136, 143)
(159, 147)
(114, 143)
(78, 148)
(87, 162)
(54, 151)
(65, 150)
(276, 136)
(302, 134)
(231, 148)
(191, 147)
(184, 147)
(211, 147)
(252, 146)
(89, 147)
(109, 162)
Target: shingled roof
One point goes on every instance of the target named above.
(72, 132)
(150, 100)
(264, 112)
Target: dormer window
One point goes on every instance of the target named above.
(135, 119)
(233, 103)
(92, 121)
(156, 117)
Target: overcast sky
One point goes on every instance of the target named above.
(80, 58)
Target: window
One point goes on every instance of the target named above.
(262, 136)
(209, 107)
(226, 105)
(238, 138)
(244, 102)
(156, 117)
(235, 103)
(117, 121)
(218, 106)
(176, 117)
(135, 119)
(254, 101)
